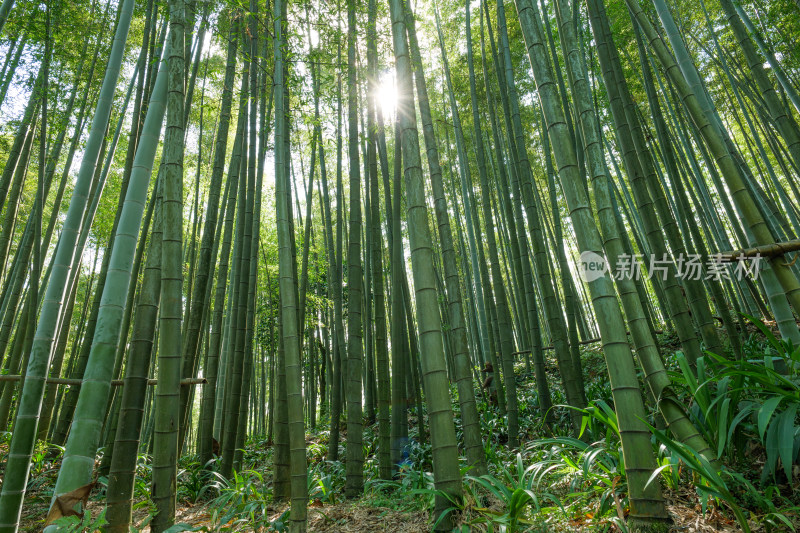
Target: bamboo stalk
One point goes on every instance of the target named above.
(765, 250)
(114, 383)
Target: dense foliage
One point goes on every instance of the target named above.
(484, 266)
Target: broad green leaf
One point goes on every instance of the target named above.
(786, 438)
(765, 413)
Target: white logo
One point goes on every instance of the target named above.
(592, 266)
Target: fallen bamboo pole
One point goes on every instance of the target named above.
(114, 383)
(587, 341)
(765, 250)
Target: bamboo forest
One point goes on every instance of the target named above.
(400, 266)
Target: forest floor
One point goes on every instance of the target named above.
(364, 516)
(573, 493)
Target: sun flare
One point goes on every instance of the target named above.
(386, 94)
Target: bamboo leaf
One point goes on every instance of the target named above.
(765, 414)
(785, 432)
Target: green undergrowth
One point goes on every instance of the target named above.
(747, 410)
